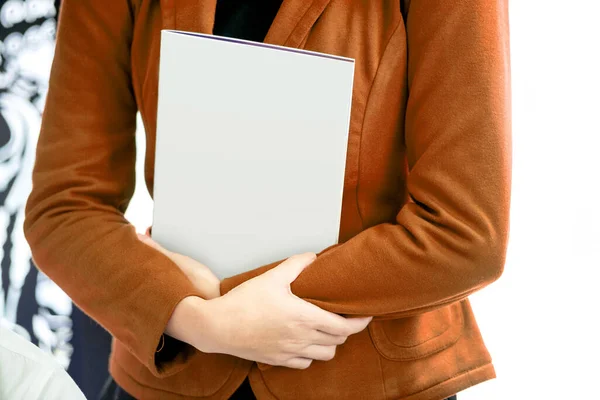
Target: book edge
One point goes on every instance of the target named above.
(260, 44)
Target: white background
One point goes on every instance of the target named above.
(541, 320)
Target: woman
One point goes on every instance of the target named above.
(424, 217)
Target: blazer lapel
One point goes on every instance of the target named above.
(294, 21)
(289, 28)
(189, 15)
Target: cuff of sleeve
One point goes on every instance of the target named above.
(130, 288)
(162, 355)
(170, 355)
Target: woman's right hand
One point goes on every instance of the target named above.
(263, 321)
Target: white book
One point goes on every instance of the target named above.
(251, 150)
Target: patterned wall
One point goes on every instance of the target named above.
(31, 304)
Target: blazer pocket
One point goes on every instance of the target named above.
(419, 336)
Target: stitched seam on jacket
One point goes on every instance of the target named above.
(375, 334)
(460, 317)
(385, 396)
(421, 355)
(414, 345)
(262, 378)
(417, 357)
(364, 117)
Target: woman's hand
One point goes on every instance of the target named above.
(200, 275)
(262, 320)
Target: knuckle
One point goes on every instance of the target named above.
(291, 345)
(304, 317)
(346, 331)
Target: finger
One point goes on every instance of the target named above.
(355, 325)
(325, 339)
(336, 324)
(289, 270)
(325, 321)
(298, 363)
(316, 352)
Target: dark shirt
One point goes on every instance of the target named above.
(245, 19)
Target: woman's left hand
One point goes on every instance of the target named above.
(199, 274)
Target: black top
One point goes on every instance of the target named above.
(245, 19)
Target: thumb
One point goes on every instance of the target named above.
(152, 243)
(289, 270)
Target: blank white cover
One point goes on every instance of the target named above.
(251, 150)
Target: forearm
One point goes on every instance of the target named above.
(84, 177)
(386, 272)
(126, 286)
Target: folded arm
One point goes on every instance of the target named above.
(83, 179)
(450, 238)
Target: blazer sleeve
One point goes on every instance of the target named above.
(83, 180)
(450, 238)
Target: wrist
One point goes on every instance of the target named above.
(191, 322)
(180, 325)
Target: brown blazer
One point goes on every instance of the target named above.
(425, 208)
